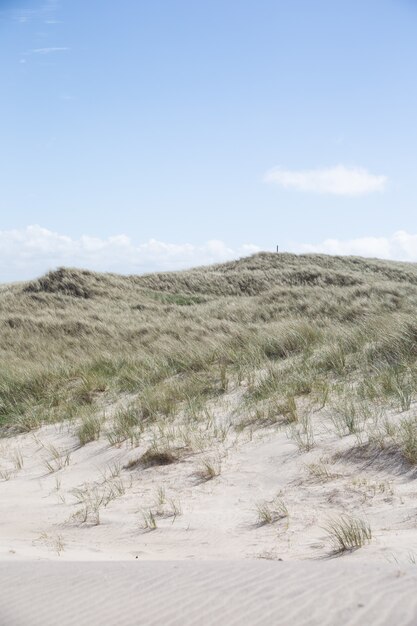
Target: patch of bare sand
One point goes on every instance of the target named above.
(207, 593)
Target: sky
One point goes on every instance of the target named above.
(154, 135)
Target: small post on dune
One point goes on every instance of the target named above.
(277, 249)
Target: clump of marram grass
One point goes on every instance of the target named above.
(55, 542)
(271, 511)
(163, 508)
(276, 410)
(321, 471)
(92, 497)
(395, 385)
(348, 533)
(149, 521)
(127, 426)
(284, 381)
(349, 414)
(398, 436)
(89, 429)
(302, 433)
(209, 467)
(289, 337)
(407, 439)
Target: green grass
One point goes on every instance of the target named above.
(407, 439)
(89, 429)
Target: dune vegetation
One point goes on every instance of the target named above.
(317, 328)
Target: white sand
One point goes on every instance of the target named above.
(205, 593)
(218, 522)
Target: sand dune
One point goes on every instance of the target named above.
(206, 497)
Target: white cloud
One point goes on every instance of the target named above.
(338, 180)
(49, 50)
(400, 246)
(34, 250)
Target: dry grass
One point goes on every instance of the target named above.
(91, 498)
(208, 468)
(348, 533)
(271, 511)
(164, 508)
(322, 471)
(58, 459)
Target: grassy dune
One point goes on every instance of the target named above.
(300, 331)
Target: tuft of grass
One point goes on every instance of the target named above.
(112, 470)
(149, 520)
(58, 458)
(164, 508)
(18, 459)
(407, 439)
(90, 500)
(209, 468)
(55, 543)
(349, 414)
(321, 472)
(269, 512)
(348, 533)
(89, 429)
(302, 434)
(93, 497)
(127, 426)
(400, 383)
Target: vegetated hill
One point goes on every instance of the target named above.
(73, 336)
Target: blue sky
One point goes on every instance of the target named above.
(159, 134)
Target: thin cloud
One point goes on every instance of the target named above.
(45, 13)
(400, 246)
(34, 250)
(49, 50)
(338, 180)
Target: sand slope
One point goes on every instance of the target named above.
(41, 516)
(210, 562)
